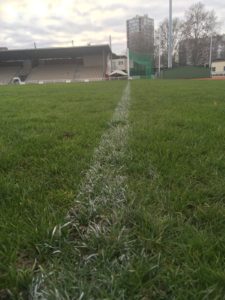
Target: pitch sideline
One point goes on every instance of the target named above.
(103, 189)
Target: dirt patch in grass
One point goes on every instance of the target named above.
(4, 294)
(68, 135)
(24, 261)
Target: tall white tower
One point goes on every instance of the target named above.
(170, 36)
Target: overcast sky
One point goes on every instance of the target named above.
(58, 22)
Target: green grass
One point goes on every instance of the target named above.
(47, 137)
(177, 188)
(166, 242)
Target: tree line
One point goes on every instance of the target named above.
(191, 36)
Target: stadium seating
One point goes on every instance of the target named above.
(57, 64)
(57, 72)
(24, 71)
(64, 72)
(7, 74)
(91, 73)
(51, 73)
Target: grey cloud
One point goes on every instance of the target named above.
(117, 23)
(55, 30)
(73, 28)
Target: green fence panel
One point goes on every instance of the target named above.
(188, 72)
(142, 64)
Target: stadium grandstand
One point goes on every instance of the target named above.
(86, 63)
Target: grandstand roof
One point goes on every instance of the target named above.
(46, 53)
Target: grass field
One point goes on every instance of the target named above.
(165, 240)
(47, 137)
(176, 179)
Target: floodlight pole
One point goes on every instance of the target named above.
(159, 53)
(210, 52)
(170, 36)
(110, 44)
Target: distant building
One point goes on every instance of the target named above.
(119, 62)
(140, 35)
(196, 53)
(218, 68)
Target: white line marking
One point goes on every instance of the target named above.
(102, 190)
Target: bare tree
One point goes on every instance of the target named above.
(198, 26)
(163, 33)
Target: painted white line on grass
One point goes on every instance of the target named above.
(102, 194)
(104, 183)
(107, 157)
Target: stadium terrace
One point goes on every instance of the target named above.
(44, 65)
